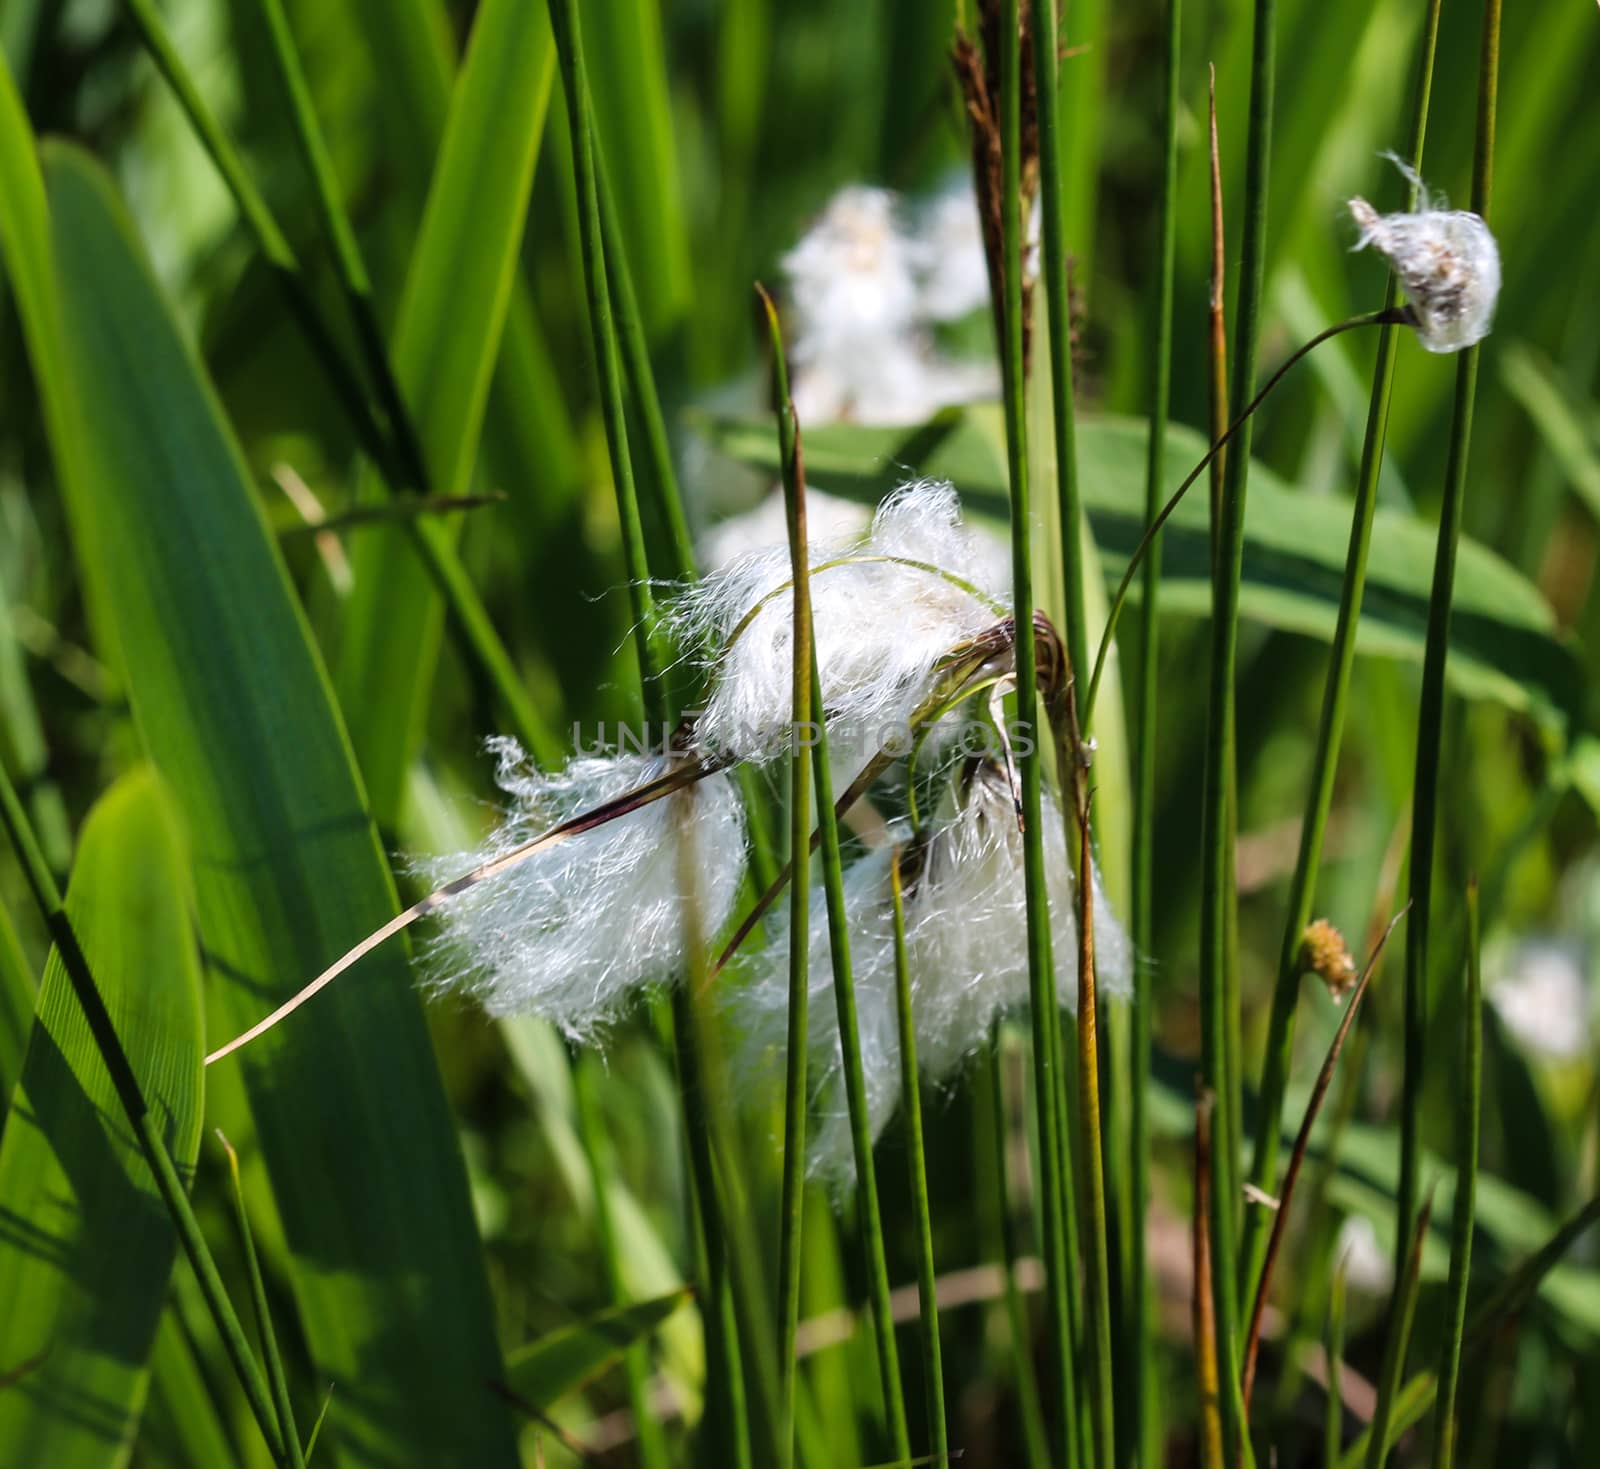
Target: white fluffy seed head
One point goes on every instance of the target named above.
(881, 627)
(574, 932)
(966, 946)
(830, 521)
(1447, 262)
(952, 268)
(1543, 998)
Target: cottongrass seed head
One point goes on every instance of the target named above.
(966, 948)
(575, 931)
(881, 627)
(1447, 262)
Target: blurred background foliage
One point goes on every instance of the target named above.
(726, 127)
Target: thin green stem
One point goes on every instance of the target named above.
(1216, 960)
(1401, 1314)
(1042, 997)
(1469, 1083)
(916, 1162)
(145, 1127)
(1330, 728)
(276, 1379)
(792, 1204)
(651, 1445)
(1430, 717)
(1141, 1446)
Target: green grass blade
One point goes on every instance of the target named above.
(276, 1380)
(1042, 999)
(1468, 1079)
(447, 337)
(181, 1427)
(1397, 1340)
(87, 1248)
(18, 996)
(1430, 715)
(916, 1160)
(797, 1044)
(1139, 1431)
(1333, 1349)
(563, 1361)
(1218, 956)
(235, 712)
(22, 744)
(1330, 727)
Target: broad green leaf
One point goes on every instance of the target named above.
(182, 1429)
(235, 711)
(446, 342)
(86, 1245)
(568, 1358)
(17, 998)
(1504, 642)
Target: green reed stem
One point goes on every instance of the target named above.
(1042, 997)
(722, 1327)
(1053, 271)
(798, 1047)
(1330, 728)
(855, 1086)
(1430, 717)
(1203, 1301)
(1036, 1439)
(1140, 1442)
(1333, 1351)
(276, 1379)
(1402, 1312)
(916, 1161)
(1469, 1083)
(146, 1128)
(649, 1441)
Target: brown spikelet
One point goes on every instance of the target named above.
(1323, 952)
(977, 71)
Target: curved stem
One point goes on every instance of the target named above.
(1371, 318)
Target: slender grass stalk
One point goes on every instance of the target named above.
(1053, 271)
(1330, 727)
(722, 1320)
(1401, 1313)
(351, 270)
(276, 1380)
(648, 1438)
(792, 1204)
(1217, 963)
(1207, 1371)
(145, 1127)
(1430, 716)
(1097, 1274)
(1469, 1083)
(1042, 997)
(1297, 1159)
(1216, 313)
(916, 1159)
(1333, 1351)
(855, 1088)
(1035, 1436)
(1140, 1446)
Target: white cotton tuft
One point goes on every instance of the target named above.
(859, 304)
(1358, 1251)
(1544, 999)
(575, 931)
(1447, 262)
(967, 924)
(952, 267)
(759, 1010)
(966, 948)
(881, 627)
